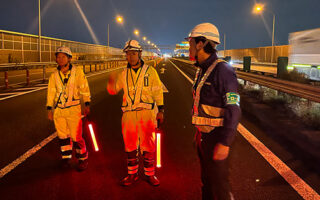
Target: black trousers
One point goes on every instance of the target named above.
(214, 173)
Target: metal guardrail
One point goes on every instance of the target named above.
(257, 63)
(97, 65)
(308, 92)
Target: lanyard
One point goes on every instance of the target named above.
(134, 84)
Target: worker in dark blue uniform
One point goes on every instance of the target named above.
(216, 111)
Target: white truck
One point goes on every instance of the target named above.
(304, 53)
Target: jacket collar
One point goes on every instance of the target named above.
(70, 67)
(207, 63)
(142, 63)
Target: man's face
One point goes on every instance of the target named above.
(132, 57)
(192, 48)
(62, 59)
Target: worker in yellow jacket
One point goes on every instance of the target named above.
(67, 84)
(142, 92)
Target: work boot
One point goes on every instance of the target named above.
(129, 180)
(82, 165)
(153, 180)
(65, 163)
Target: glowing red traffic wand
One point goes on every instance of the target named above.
(96, 148)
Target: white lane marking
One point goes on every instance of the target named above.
(187, 77)
(19, 89)
(162, 70)
(290, 176)
(26, 155)
(11, 93)
(22, 93)
(42, 88)
(165, 90)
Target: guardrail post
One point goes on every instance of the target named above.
(246, 63)
(28, 77)
(90, 68)
(84, 68)
(95, 67)
(227, 58)
(6, 80)
(282, 66)
(43, 73)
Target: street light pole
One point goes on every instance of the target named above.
(273, 26)
(258, 8)
(224, 46)
(108, 35)
(39, 32)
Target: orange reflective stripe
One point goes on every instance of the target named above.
(204, 121)
(213, 111)
(66, 148)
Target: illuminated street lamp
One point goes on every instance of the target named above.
(258, 9)
(136, 32)
(144, 38)
(149, 42)
(119, 20)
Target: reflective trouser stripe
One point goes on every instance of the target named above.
(149, 171)
(81, 151)
(133, 162)
(66, 148)
(133, 169)
(148, 162)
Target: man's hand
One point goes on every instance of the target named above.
(160, 117)
(50, 115)
(86, 110)
(112, 83)
(220, 152)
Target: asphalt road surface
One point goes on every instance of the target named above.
(24, 124)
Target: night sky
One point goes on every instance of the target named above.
(164, 22)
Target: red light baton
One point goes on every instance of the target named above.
(93, 137)
(158, 145)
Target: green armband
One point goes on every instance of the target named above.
(233, 98)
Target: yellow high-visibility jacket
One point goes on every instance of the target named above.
(67, 95)
(142, 89)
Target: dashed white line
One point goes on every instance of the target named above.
(302, 188)
(187, 77)
(26, 155)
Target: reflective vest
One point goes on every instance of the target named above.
(134, 92)
(205, 117)
(66, 91)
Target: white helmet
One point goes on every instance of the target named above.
(65, 50)
(132, 45)
(207, 30)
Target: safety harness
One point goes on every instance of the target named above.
(205, 117)
(135, 103)
(65, 89)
